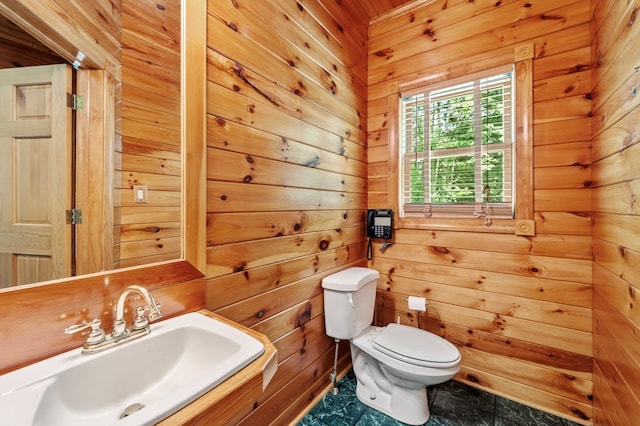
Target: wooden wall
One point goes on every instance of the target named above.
(148, 144)
(286, 178)
(616, 236)
(143, 39)
(19, 49)
(290, 176)
(148, 152)
(518, 308)
(33, 318)
(68, 26)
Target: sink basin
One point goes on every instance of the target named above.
(137, 383)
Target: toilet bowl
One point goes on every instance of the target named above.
(392, 364)
(391, 382)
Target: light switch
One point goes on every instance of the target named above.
(140, 194)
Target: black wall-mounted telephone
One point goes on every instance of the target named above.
(380, 223)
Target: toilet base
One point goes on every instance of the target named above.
(406, 405)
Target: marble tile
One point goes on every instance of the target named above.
(432, 392)
(512, 413)
(466, 395)
(341, 409)
(451, 404)
(466, 419)
(372, 417)
(458, 408)
(309, 420)
(458, 404)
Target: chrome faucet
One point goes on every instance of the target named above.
(98, 340)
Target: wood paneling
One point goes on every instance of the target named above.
(378, 7)
(616, 280)
(67, 27)
(286, 178)
(29, 333)
(138, 44)
(503, 299)
(19, 49)
(298, 96)
(33, 318)
(94, 168)
(149, 152)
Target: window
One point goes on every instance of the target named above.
(457, 148)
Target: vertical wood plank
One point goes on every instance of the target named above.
(524, 132)
(194, 132)
(94, 172)
(393, 156)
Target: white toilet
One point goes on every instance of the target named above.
(393, 364)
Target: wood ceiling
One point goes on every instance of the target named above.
(18, 49)
(13, 39)
(374, 8)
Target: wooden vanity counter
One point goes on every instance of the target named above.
(234, 398)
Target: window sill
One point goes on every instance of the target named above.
(497, 226)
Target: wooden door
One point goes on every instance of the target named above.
(35, 174)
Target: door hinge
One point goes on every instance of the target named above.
(75, 102)
(74, 217)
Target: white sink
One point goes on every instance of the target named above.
(180, 360)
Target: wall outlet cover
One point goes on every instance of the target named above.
(140, 194)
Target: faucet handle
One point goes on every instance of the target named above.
(82, 326)
(95, 336)
(154, 309)
(140, 321)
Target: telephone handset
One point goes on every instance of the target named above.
(380, 223)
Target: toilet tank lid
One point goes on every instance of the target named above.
(350, 279)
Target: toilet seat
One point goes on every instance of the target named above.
(416, 346)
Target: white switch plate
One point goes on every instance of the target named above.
(140, 194)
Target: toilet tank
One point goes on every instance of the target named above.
(349, 301)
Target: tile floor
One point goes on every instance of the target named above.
(451, 404)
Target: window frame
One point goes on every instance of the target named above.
(522, 222)
(478, 208)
